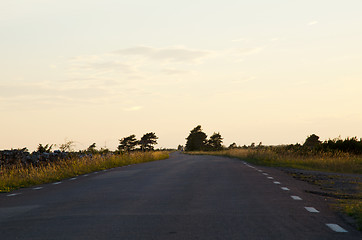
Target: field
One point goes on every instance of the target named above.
(15, 177)
(337, 174)
(323, 161)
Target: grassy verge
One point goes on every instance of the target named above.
(341, 162)
(352, 208)
(345, 191)
(19, 176)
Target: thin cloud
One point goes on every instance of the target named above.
(25, 95)
(101, 62)
(169, 71)
(239, 40)
(245, 40)
(313, 23)
(169, 54)
(133, 109)
(244, 80)
(274, 39)
(244, 51)
(115, 65)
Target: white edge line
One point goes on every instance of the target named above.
(336, 227)
(311, 209)
(296, 198)
(13, 194)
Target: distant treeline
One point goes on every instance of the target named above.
(197, 141)
(312, 143)
(46, 154)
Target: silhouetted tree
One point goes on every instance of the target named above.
(232, 146)
(67, 146)
(147, 141)
(312, 141)
(104, 150)
(92, 148)
(196, 140)
(44, 149)
(215, 142)
(127, 144)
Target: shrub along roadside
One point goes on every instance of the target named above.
(16, 177)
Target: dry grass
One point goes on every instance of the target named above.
(353, 208)
(19, 176)
(337, 162)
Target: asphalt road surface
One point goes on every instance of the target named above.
(184, 197)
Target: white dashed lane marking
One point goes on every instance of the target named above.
(37, 188)
(311, 209)
(86, 175)
(332, 226)
(56, 183)
(336, 227)
(72, 179)
(13, 194)
(296, 197)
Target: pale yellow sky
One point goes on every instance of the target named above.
(255, 71)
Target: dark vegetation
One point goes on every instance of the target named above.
(337, 145)
(129, 144)
(197, 141)
(45, 154)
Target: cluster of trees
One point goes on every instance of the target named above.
(197, 141)
(350, 145)
(130, 143)
(126, 144)
(313, 144)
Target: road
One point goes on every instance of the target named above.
(184, 197)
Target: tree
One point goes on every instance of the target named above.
(67, 146)
(127, 144)
(196, 140)
(92, 148)
(44, 149)
(215, 142)
(232, 146)
(147, 141)
(312, 141)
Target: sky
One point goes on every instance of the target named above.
(95, 71)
